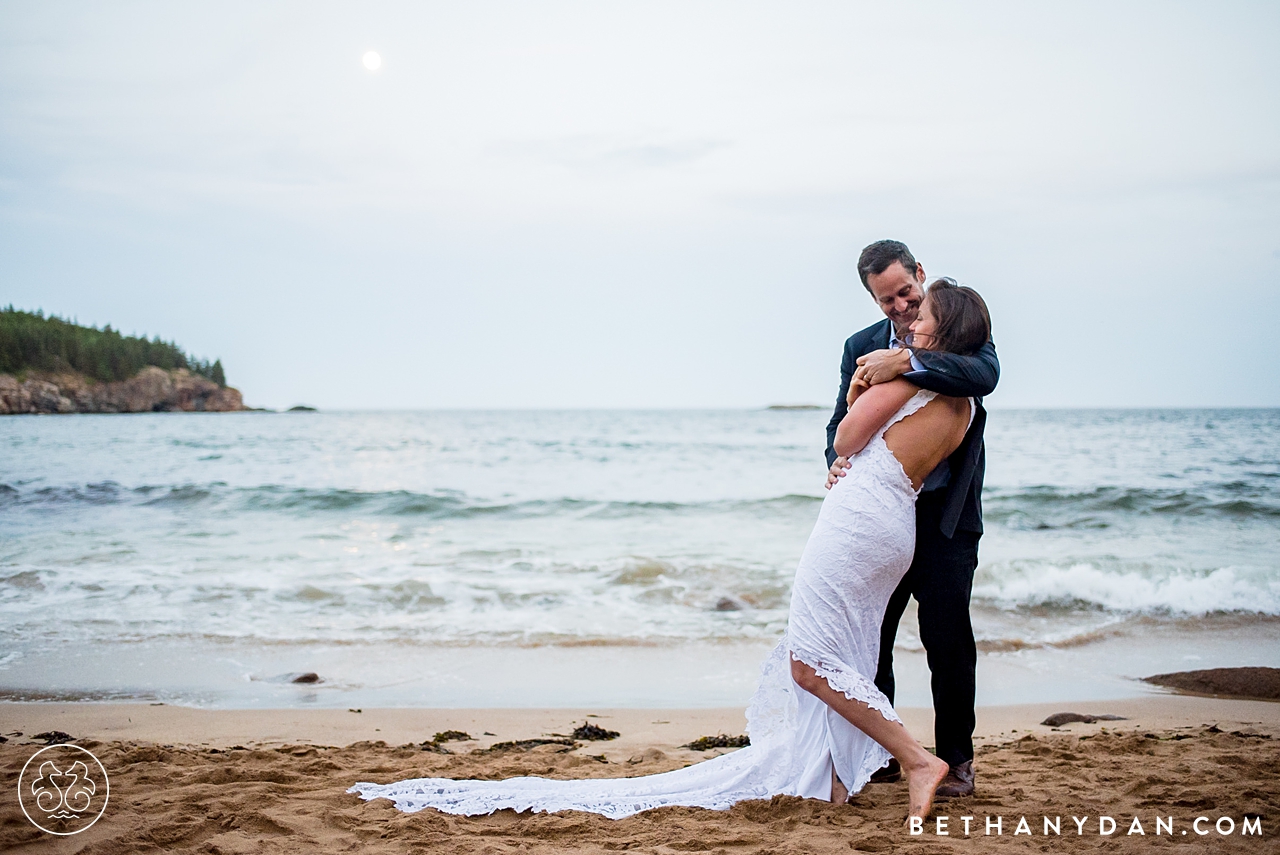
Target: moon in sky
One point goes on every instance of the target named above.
(372, 60)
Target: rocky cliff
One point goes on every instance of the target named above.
(151, 390)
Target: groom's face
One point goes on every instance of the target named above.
(898, 292)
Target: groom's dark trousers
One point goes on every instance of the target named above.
(948, 527)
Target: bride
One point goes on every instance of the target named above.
(818, 725)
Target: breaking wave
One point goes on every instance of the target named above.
(401, 503)
(1085, 586)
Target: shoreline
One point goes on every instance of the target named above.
(689, 675)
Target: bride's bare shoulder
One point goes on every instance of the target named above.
(947, 408)
(959, 406)
(942, 410)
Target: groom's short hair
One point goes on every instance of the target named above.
(877, 258)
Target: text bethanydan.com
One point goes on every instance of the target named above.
(1103, 826)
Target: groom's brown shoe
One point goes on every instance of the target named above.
(959, 781)
(887, 774)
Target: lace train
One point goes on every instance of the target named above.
(755, 772)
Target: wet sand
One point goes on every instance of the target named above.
(227, 781)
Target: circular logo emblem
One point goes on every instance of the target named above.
(63, 789)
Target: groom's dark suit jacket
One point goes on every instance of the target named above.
(947, 374)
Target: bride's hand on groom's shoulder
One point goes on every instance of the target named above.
(837, 471)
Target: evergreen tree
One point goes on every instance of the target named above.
(30, 341)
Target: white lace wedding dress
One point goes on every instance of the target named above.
(860, 549)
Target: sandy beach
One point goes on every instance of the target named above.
(224, 781)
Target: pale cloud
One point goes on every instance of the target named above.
(610, 153)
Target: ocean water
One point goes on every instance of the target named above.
(613, 557)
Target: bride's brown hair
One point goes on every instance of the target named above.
(963, 323)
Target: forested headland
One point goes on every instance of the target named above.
(31, 341)
(53, 365)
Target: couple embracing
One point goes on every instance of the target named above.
(901, 518)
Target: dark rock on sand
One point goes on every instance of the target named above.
(705, 743)
(525, 745)
(592, 733)
(434, 747)
(436, 743)
(1059, 719)
(1253, 683)
(309, 677)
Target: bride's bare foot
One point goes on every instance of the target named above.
(923, 778)
(839, 792)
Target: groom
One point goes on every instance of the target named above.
(948, 511)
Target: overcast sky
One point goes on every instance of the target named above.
(648, 204)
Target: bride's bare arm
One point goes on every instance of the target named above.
(872, 409)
